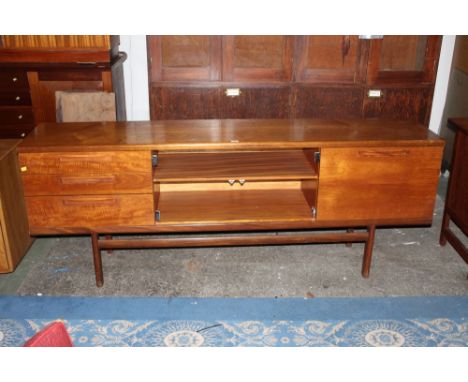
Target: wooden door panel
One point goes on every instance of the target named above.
(400, 103)
(257, 58)
(362, 183)
(271, 102)
(403, 60)
(340, 59)
(184, 58)
(328, 102)
(184, 103)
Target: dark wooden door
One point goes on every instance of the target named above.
(338, 59)
(403, 60)
(257, 58)
(184, 58)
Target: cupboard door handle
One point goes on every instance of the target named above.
(90, 203)
(383, 153)
(88, 180)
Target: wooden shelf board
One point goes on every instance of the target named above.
(248, 165)
(233, 206)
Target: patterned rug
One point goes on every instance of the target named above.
(227, 322)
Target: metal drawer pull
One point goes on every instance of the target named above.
(231, 181)
(17, 98)
(241, 181)
(20, 116)
(23, 135)
(14, 79)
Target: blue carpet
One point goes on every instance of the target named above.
(140, 321)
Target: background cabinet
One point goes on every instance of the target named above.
(33, 68)
(292, 76)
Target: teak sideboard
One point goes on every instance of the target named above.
(278, 180)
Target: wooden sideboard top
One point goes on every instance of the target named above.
(228, 134)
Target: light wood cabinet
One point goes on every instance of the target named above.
(276, 176)
(14, 231)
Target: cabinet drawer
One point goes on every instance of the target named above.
(15, 131)
(16, 97)
(14, 79)
(16, 115)
(370, 183)
(89, 211)
(37, 184)
(79, 164)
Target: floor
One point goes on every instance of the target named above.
(406, 262)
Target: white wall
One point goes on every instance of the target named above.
(136, 77)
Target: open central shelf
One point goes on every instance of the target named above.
(248, 165)
(192, 207)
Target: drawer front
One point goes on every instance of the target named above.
(78, 184)
(80, 164)
(89, 211)
(15, 131)
(14, 79)
(16, 97)
(393, 183)
(16, 115)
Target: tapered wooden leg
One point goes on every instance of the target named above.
(445, 225)
(349, 230)
(366, 261)
(109, 237)
(97, 260)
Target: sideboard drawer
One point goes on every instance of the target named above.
(16, 115)
(78, 164)
(14, 79)
(79, 184)
(90, 211)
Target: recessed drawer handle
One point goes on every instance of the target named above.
(88, 180)
(85, 159)
(384, 153)
(90, 203)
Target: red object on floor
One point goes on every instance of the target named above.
(53, 335)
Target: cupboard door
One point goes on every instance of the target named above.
(184, 103)
(328, 102)
(403, 59)
(265, 102)
(257, 58)
(184, 58)
(400, 103)
(330, 59)
(378, 184)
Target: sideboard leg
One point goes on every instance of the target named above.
(97, 260)
(366, 261)
(349, 230)
(109, 237)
